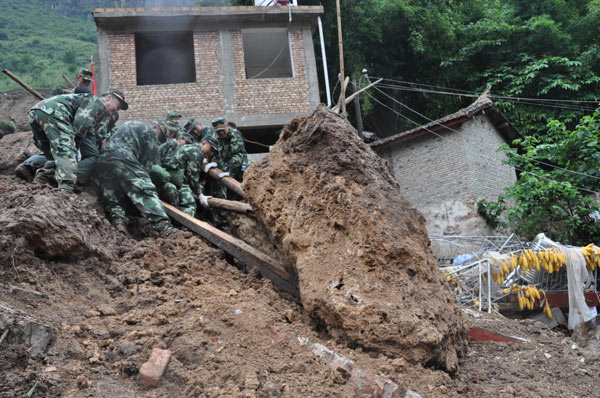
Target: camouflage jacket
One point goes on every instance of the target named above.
(135, 142)
(166, 151)
(82, 111)
(105, 128)
(232, 153)
(189, 159)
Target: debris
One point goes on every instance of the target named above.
(83, 382)
(365, 269)
(26, 330)
(155, 367)
(548, 356)
(587, 335)
(379, 386)
(558, 318)
(25, 294)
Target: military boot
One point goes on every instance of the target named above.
(24, 172)
(172, 232)
(45, 177)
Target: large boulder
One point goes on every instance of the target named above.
(365, 270)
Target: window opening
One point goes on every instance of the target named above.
(165, 57)
(267, 53)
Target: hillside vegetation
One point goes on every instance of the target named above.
(38, 44)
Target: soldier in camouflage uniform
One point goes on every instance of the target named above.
(89, 148)
(209, 186)
(123, 168)
(172, 121)
(175, 175)
(59, 124)
(233, 158)
(197, 130)
(84, 79)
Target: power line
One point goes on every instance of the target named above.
(515, 100)
(460, 132)
(495, 96)
(481, 155)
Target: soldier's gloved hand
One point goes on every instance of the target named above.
(78, 155)
(204, 201)
(209, 166)
(223, 174)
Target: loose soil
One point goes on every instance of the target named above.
(111, 299)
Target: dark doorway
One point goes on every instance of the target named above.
(165, 57)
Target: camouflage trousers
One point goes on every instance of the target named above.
(56, 139)
(217, 190)
(122, 179)
(181, 198)
(85, 168)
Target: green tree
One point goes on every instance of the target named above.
(555, 193)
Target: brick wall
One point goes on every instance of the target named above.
(204, 98)
(430, 169)
(281, 95)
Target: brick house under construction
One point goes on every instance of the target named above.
(254, 65)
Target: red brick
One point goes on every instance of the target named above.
(154, 368)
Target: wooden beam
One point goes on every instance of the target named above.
(69, 82)
(230, 182)
(232, 205)
(239, 249)
(23, 84)
(354, 95)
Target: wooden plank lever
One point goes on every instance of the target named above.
(239, 249)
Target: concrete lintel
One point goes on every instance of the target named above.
(103, 62)
(204, 11)
(269, 120)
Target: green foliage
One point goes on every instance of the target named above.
(7, 127)
(561, 170)
(43, 44)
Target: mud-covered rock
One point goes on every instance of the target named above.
(363, 260)
(15, 148)
(55, 225)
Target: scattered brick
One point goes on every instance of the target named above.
(152, 370)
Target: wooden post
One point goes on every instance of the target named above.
(230, 182)
(341, 48)
(23, 84)
(232, 205)
(239, 249)
(69, 82)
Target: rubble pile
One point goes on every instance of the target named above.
(365, 270)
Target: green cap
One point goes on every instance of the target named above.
(218, 123)
(86, 74)
(211, 142)
(187, 138)
(162, 125)
(173, 115)
(190, 124)
(118, 94)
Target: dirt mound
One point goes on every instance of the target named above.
(14, 105)
(364, 265)
(15, 148)
(54, 224)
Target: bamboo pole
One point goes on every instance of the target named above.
(232, 205)
(23, 84)
(341, 48)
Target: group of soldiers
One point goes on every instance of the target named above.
(136, 164)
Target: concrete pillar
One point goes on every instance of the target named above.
(226, 50)
(310, 67)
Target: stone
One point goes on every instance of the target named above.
(358, 249)
(152, 370)
(75, 351)
(127, 348)
(25, 330)
(106, 310)
(251, 382)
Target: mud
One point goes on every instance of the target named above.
(366, 272)
(231, 334)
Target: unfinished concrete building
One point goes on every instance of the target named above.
(253, 65)
(445, 167)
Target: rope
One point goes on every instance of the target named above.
(257, 143)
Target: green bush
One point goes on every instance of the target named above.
(7, 127)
